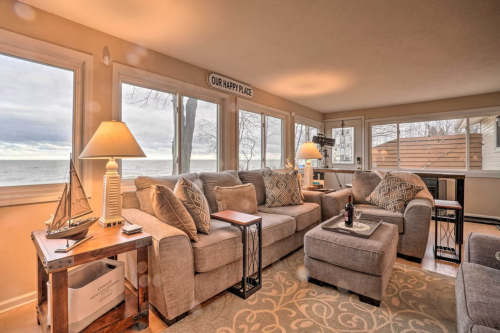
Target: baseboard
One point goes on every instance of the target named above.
(494, 220)
(18, 301)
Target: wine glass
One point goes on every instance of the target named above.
(357, 213)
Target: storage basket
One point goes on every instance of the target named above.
(93, 289)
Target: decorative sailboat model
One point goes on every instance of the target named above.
(72, 204)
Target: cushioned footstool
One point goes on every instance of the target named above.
(360, 265)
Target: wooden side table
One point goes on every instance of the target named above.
(252, 253)
(107, 242)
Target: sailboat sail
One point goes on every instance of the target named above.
(61, 215)
(79, 203)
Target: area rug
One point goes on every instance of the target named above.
(416, 301)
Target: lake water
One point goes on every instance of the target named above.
(22, 172)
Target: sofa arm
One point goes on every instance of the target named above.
(333, 203)
(312, 196)
(417, 222)
(481, 249)
(171, 265)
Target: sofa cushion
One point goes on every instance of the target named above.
(276, 227)
(477, 287)
(372, 255)
(239, 198)
(304, 215)
(221, 247)
(212, 179)
(144, 183)
(282, 189)
(195, 202)
(255, 177)
(363, 183)
(376, 213)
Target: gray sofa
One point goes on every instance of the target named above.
(184, 274)
(477, 286)
(413, 224)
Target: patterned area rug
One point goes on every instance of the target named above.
(416, 301)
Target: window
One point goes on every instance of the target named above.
(261, 141)
(343, 151)
(304, 133)
(150, 116)
(437, 145)
(36, 120)
(199, 131)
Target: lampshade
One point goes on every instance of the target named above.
(112, 139)
(307, 151)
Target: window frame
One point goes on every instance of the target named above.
(138, 77)
(496, 127)
(81, 64)
(462, 114)
(264, 111)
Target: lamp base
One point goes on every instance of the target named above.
(111, 222)
(308, 174)
(111, 197)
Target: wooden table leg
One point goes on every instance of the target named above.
(143, 284)
(42, 278)
(59, 284)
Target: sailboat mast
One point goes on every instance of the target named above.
(69, 192)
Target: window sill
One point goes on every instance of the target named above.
(29, 194)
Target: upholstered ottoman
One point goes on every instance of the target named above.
(360, 265)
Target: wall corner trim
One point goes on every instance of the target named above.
(18, 301)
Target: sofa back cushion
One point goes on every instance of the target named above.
(143, 187)
(239, 198)
(212, 179)
(363, 184)
(255, 178)
(170, 210)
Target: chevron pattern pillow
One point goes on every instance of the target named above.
(282, 189)
(195, 203)
(393, 193)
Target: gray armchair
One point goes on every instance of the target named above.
(477, 286)
(413, 224)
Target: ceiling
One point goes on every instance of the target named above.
(329, 55)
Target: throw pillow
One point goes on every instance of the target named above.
(282, 189)
(240, 198)
(195, 202)
(393, 193)
(171, 211)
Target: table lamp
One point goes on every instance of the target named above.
(112, 140)
(307, 151)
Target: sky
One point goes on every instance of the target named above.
(36, 109)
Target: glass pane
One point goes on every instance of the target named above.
(199, 135)
(300, 138)
(36, 118)
(313, 131)
(149, 114)
(484, 154)
(250, 139)
(385, 146)
(274, 142)
(344, 145)
(433, 145)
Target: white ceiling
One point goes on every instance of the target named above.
(329, 55)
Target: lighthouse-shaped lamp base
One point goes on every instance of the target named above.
(111, 197)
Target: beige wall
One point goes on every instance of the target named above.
(481, 194)
(16, 223)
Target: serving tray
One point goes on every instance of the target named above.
(335, 225)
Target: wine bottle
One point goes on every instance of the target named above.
(349, 210)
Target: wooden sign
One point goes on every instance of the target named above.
(223, 83)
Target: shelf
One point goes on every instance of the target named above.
(115, 320)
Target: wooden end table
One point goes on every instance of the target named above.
(107, 242)
(251, 229)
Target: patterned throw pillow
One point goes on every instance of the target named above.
(195, 202)
(282, 189)
(393, 193)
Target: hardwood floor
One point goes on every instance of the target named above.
(23, 319)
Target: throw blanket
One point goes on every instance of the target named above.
(410, 178)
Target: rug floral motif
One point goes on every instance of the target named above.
(415, 301)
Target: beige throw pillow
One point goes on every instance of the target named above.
(393, 193)
(169, 209)
(282, 189)
(240, 198)
(195, 202)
